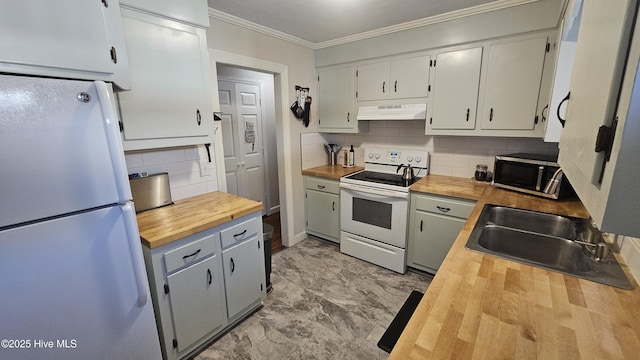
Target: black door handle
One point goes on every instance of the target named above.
(233, 265)
(209, 276)
(240, 234)
(562, 121)
(421, 221)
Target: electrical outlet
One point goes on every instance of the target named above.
(204, 168)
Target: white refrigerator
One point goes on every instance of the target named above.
(72, 276)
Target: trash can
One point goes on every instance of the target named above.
(267, 234)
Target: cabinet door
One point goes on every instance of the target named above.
(323, 213)
(600, 54)
(169, 77)
(431, 238)
(336, 96)
(373, 81)
(243, 275)
(512, 85)
(196, 301)
(68, 39)
(409, 78)
(455, 80)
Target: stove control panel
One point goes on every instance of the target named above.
(415, 158)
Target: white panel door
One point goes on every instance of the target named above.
(241, 264)
(335, 99)
(455, 79)
(240, 104)
(373, 81)
(232, 157)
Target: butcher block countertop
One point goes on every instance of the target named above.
(191, 215)
(482, 307)
(466, 188)
(331, 171)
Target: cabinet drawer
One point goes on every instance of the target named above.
(241, 232)
(324, 185)
(189, 253)
(444, 205)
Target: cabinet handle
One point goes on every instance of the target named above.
(395, 86)
(467, 114)
(114, 55)
(544, 117)
(383, 84)
(562, 121)
(190, 255)
(198, 117)
(443, 209)
(233, 266)
(209, 277)
(321, 186)
(333, 206)
(240, 234)
(491, 115)
(105, 3)
(421, 221)
(348, 114)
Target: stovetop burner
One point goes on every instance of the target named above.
(382, 178)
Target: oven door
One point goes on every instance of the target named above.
(374, 213)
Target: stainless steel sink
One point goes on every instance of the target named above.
(560, 243)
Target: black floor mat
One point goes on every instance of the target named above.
(390, 337)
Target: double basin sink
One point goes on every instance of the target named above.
(560, 243)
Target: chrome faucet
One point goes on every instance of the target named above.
(552, 185)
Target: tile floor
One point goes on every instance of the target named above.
(324, 305)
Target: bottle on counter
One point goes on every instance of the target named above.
(345, 161)
(352, 157)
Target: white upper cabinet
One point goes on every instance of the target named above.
(455, 76)
(396, 79)
(603, 61)
(170, 102)
(564, 66)
(512, 84)
(336, 100)
(65, 39)
(491, 88)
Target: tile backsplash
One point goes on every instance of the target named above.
(450, 155)
(182, 165)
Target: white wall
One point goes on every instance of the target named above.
(182, 165)
(299, 62)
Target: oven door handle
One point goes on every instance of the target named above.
(380, 194)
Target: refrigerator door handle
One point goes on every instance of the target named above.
(116, 151)
(133, 236)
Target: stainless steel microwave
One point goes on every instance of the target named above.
(535, 174)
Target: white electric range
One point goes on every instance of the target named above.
(374, 206)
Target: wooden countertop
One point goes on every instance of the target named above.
(189, 216)
(482, 307)
(450, 186)
(331, 171)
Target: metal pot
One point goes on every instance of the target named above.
(408, 174)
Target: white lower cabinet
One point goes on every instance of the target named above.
(322, 204)
(194, 299)
(434, 224)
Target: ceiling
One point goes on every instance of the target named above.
(318, 22)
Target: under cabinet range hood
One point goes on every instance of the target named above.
(393, 112)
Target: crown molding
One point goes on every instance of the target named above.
(457, 14)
